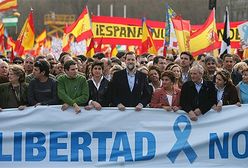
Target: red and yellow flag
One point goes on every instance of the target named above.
(99, 46)
(11, 44)
(41, 38)
(114, 51)
(204, 39)
(182, 29)
(25, 40)
(1, 38)
(147, 41)
(7, 5)
(81, 28)
(91, 48)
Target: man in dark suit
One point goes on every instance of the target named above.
(197, 96)
(130, 87)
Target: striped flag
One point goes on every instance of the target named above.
(7, 5)
(170, 39)
(91, 48)
(26, 38)
(81, 28)
(147, 40)
(225, 44)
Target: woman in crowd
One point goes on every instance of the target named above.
(242, 87)
(226, 91)
(98, 88)
(239, 67)
(14, 93)
(176, 69)
(168, 96)
(154, 76)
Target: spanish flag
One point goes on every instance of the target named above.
(2, 34)
(147, 41)
(11, 44)
(204, 39)
(7, 5)
(81, 28)
(41, 38)
(91, 48)
(25, 40)
(114, 51)
(99, 46)
(182, 29)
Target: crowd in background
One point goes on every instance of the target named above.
(172, 82)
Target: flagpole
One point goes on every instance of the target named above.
(213, 41)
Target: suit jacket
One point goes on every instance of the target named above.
(204, 100)
(101, 95)
(159, 98)
(121, 92)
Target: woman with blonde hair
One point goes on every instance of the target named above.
(177, 70)
(14, 93)
(242, 87)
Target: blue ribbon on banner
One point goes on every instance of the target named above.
(182, 143)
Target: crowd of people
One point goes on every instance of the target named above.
(170, 82)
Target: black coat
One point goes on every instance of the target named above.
(204, 100)
(101, 95)
(121, 92)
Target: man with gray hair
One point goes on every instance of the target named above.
(197, 95)
(4, 71)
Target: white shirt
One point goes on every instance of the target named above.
(219, 94)
(169, 98)
(97, 85)
(198, 86)
(131, 80)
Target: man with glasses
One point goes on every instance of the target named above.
(143, 60)
(18, 60)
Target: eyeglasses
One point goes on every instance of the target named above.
(143, 62)
(28, 62)
(17, 62)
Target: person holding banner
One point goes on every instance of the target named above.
(14, 93)
(73, 88)
(129, 87)
(168, 96)
(197, 95)
(226, 91)
(242, 87)
(98, 88)
(42, 90)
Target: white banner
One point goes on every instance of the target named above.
(48, 137)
